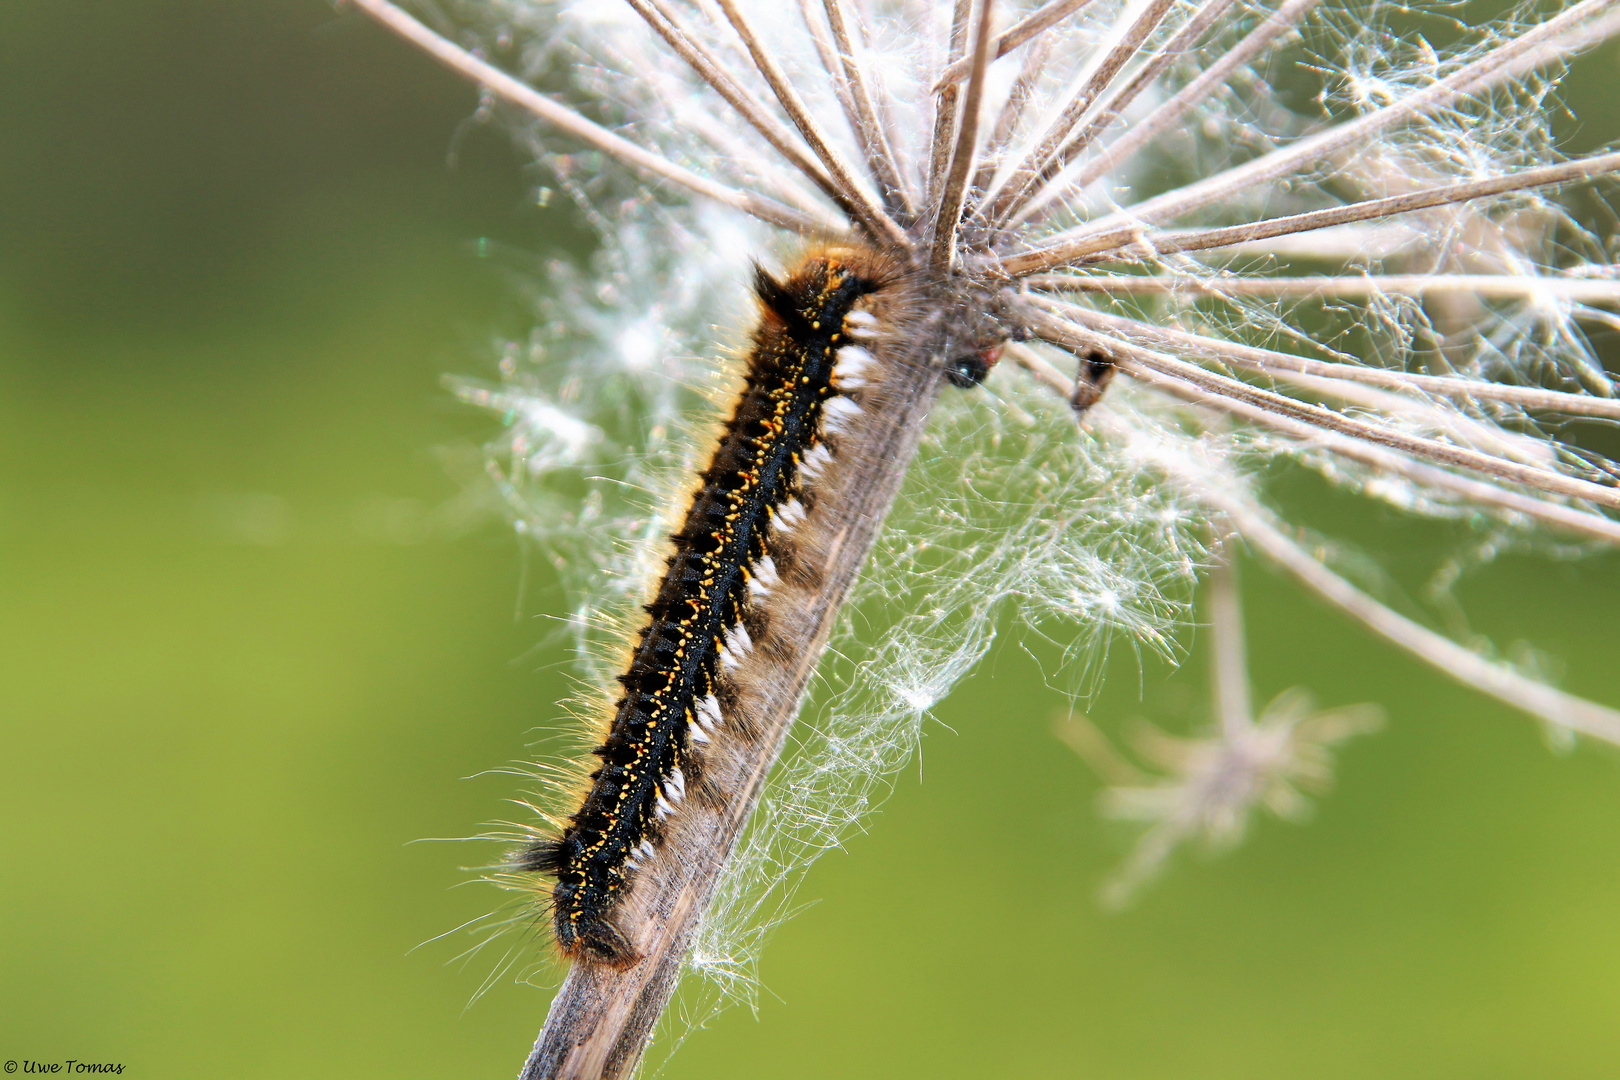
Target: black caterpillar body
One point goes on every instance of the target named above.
(705, 619)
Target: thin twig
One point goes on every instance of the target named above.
(1531, 288)
(868, 129)
(868, 213)
(1585, 37)
(949, 213)
(1040, 369)
(736, 143)
(830, 63)
(1007, 121)
(1283, 21)
(1134, 241)
(1465, 666)
(1041, 19)
(1549, 41)
(1455, 427)
(1458, 663)
(1116, 103)
(571, 123)
(709, 68)
(1465, 490)
(1095, 750)
(1230, 667)
(946, 104)
(1072, 336)
(1041, 164)
(1270, 362)
(1500, 457)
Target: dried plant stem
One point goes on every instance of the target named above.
(1344, 287)
(946, 104)
(1465, 489)
(602, 1017)
(1210, 81)
(1012, 113)
(1133, 241)
(1465, 666)
(709, 68)
(1257, 528)
(880, 225)
(1040, 369)
(1074, 337)
(571, 123)
(1230, 668)
(830, 63)
(730, 139)
(1549, 41)
(949, 213)
(1269, 361)
(1044, 161)
(1117, 102)
(1582, 37)
(1041, 19)
(1441, 419)
(868, 129)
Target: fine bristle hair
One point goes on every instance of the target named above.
(542, 856)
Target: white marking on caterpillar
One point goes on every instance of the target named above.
(791, 513)
(852, 362)
(837, 412)
(817, 458)
(765, 571)
(664, 808)
(709, 709)
(677, 783)
(860, 318)
(738, 641)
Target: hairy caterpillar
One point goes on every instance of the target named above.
(726, 625)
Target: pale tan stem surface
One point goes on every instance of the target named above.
(880, 157)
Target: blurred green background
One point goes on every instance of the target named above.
(249, 650)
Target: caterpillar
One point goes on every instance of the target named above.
(723, 627)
